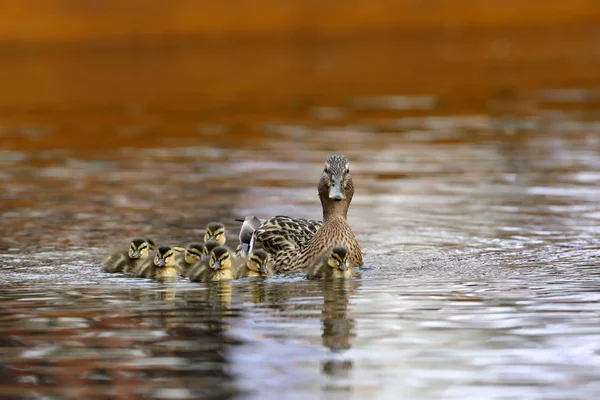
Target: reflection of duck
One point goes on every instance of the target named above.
(255, 266)
(256, 291)
(215, 231)
(333, 265)
(338, 326)
(127, 260)
(296, 243)
(162, 267)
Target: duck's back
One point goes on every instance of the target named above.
(199, 271)
(145, 269)
(117, 262)
(284, 237)
(335, 232)
(319, 269)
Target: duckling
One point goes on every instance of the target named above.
(220, 265)
(162, 267)
(249, 225)
(188, 257)
(333, 265)
(216, 231)
(127, 260)
(255, 266)
(197, 272)
(296, 243)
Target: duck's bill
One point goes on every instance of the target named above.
(263, 270)
(343, 267)
(161, 262)
(335, 191)
(216, 266)
(136, 254)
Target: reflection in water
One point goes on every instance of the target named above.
(338, 331)
(76, 347)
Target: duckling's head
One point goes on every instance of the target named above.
(257, 261)
(338, 258)
(216, 231)
(210, 246)
(193, 253)
(151, 245)
(335, 186)
(220, 259)
(140, 248)
(164, 257)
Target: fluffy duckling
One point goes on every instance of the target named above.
(162, 267)
(197, 272)
(128, 260)
(217, 268)
(219, 265)
(256, 266)
(188, 257)
(333, 265)
(216, 231)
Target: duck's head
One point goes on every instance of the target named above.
(257, 261)
(193, 253)
(220, 259)
(335, 186)
(249, 225)
(216, 231)
(140, 248)
(338, 258)
(209, 247)
(164, 257)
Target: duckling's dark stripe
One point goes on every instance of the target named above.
(337, 257)
(195, 252)
(224, 257)
(256, 260)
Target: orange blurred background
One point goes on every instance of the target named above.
(76, 70)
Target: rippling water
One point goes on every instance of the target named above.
(479, 231)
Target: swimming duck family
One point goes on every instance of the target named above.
(323, 249)
(297, 243)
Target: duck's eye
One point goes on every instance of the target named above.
(347, 170)
(326, 170)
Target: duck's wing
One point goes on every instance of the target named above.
(283, 237)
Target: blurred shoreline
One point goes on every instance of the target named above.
(89, 20)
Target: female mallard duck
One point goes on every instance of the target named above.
(215, 231)
(162, 267)
(255, 266)
(188, 257)
(296, 243)
(127, 260)
(333, 265)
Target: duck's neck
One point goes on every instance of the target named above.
(335, 209)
